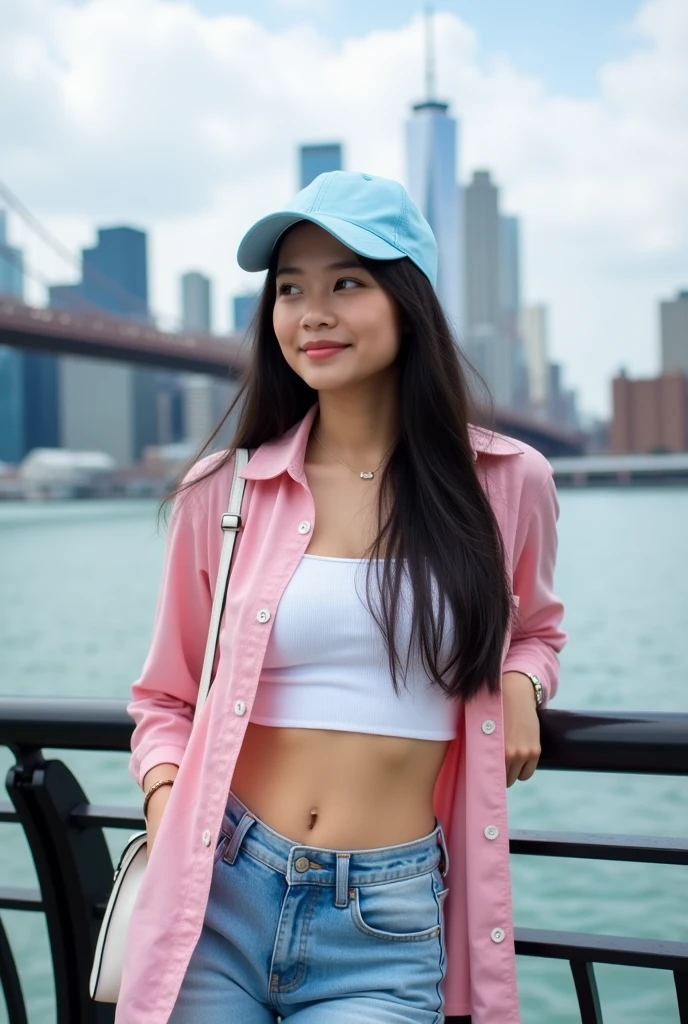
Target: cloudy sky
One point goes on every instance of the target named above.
(184, 118)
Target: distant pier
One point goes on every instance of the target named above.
(621, 470)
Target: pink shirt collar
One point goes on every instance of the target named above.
(287, 453)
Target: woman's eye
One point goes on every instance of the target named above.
(346, 282)
(285, 289)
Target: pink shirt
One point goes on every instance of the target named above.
(470, 795)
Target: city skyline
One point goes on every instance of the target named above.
(598, 183)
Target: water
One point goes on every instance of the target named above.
(77, 594)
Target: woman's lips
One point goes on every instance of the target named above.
(323, 353)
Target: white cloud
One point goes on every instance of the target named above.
(148, 112)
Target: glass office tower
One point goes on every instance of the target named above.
(431, 172)
(315, 160)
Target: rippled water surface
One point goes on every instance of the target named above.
(78, 583)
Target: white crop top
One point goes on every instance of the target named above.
(325, 665)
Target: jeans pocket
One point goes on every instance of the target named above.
(403, 910)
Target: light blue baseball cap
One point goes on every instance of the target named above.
(375, 217)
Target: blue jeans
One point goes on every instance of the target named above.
(317, 936)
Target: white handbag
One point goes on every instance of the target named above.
(106, 973)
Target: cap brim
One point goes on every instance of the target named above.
(256, 247)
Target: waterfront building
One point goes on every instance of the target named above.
(431, 147)
(510, 307)
(674, 331)
(318, 159)
(649, 416)
(28, 380)
(12, 447)
(199, 411)
(432, 159)
(11, 264)
(534, 328)
(562, 402)
(106, 405)
(486, 342)
(196, 297)
(243, 310)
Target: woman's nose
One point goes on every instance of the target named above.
(318, 315)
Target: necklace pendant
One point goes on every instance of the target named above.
(367, 476)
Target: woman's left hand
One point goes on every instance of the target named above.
(521, 727)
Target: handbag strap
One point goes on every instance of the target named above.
(231, 524)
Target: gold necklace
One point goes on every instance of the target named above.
(364, 475)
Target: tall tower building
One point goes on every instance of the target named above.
(106, 405)
(12, 434)
(318, 159)
(244, 309)
(199, 412)
(674, 328)
(28, 380)
(196, 302)
(486, 341)
(510, 307)
(11, 264)
(102, 402)
(534, 327)
(431, 174)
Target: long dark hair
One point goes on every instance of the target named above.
(433, 515)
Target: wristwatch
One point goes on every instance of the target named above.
(537, 687)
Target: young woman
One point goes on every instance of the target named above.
(329, 844)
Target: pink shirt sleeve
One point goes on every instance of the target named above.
(537, 637)
(164, 696)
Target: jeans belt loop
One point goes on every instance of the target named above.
(238, 837)
(341, 898)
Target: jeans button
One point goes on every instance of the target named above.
(301, 864)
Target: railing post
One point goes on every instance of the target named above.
(586, 990)
(681, 982)
(9, 979)
(74, 872)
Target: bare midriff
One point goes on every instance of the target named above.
(339, 790)
(326, 787)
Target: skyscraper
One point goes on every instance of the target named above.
(106, 405)
(534, 329)
(431, 175)
(674, 328)
(199, 411)
(11, 264)
(510, 307)
(196, 301)
(318, 159)
(244, 309)
(28, 380)
(12, 434)
(111, 406)
(486, 341)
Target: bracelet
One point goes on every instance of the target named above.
(156, 785)
(537, 687)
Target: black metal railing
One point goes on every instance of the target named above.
(74, 868)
